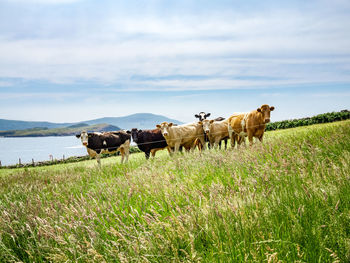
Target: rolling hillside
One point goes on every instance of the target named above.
(287, 200)
(139, 120)
(70, 130)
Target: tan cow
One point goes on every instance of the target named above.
(182, 135)
(251, 124)
(216, 131)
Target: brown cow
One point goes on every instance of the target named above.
(149, 141)
(251, 124)
(216, 131)
(182, 135)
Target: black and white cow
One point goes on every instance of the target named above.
(98, 143)
(203, 116)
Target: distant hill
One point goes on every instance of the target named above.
(139, 120)
(6, 125)
(78, 125)
(39, 132)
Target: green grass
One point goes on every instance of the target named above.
(285, 200)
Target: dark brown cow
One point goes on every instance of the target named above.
(107, 142)
(251, 124)
(149, 141)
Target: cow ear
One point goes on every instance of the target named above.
(196, 115)
(77, 135)
(258, 109)
(128, 132)
(207, 115)
(158, 126)
(170, 124)
(90, 135)
(272, 108)
(139, 130)
(211, 121)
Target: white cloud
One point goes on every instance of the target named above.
(46, 2)
(291, 47)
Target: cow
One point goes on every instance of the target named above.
(203, 116)
(98, 143)
(149, 141)
(216, 131)
(182, 135)
(250, 124)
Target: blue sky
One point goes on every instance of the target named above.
(74, 60)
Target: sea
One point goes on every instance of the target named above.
(39, 149)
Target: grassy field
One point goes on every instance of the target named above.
(287, 200)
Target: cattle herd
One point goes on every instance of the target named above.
(178, 137)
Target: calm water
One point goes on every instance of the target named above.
(39, 148)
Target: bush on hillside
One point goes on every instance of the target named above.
(320, 118)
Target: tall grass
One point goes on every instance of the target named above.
(285, 200)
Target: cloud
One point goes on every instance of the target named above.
(289, 46)
(46, 2)
(6, 84)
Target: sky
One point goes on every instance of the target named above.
(76, 60)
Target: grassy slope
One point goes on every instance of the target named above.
(288, 199)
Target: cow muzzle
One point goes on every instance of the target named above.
(207, 132)
(165, 134)
(267, 120)
(85, 143)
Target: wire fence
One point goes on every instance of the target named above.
(134, 149)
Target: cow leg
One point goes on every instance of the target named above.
(98, 159)
(217, 144)
(239, 140)
(127, 152)
(234, 139)
(153, 152)
(202, 141)
(169, 150)
(225, 144)
(147, 155)
(122, 153)
(250, 138)
(261, 138)
(232, 136)
(176, 147)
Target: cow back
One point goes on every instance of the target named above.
(110, 141)
(150, 139)
(184, 133)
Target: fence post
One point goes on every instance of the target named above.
(0, 163)
(33, 162)
(63, 157)
(19, 161)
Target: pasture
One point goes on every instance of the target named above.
(285, 200)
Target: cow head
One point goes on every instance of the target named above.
(84, 136)
(164, 128)
(134, 134)
(206, 125)
(265, 111)
(202, 116)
